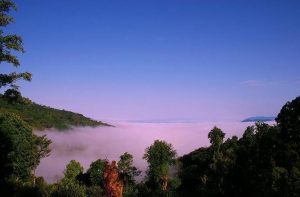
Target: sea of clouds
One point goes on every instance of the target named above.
(87, 144)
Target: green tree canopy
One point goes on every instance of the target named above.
(127, 170)
(73, 169)
(20, 153)
(16, 148)
(69, 186)
(216, 137)
(160, 155)
(265, 161)
(95, 172)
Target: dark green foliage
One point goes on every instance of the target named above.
(8, 45)
(16, 148)
(289, 121)
(160, 152)
(17, 188)
(94, 182)
(20, 153)
(75, 183)
(10, 79)
(69, 189)
(41, 149)
(216, 137)
(160, 156)
(12, 96)
(69, 186)
(94, 191)
(41, 117)
(126, 168)
(95, 173)
(128, 173)
(42, 187)
(265, 161)
(73, 169)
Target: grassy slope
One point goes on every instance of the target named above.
(42, 117)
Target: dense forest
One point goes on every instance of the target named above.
(263, 162)
(42, 117)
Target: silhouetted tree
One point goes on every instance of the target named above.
(12, 96)
(289, 121)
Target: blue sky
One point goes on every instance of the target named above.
(180, 59)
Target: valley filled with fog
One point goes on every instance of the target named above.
(89, 144)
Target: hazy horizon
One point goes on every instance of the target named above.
(89, 144)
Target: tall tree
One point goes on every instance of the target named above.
(128, 172)
(41, 150)
(216, 137)
(10, 43)
(127, 169)
(160, 156)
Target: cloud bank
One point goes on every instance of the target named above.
(89, 144)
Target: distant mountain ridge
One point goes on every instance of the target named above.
(42, 117)
(259, 119)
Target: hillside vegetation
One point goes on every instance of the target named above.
(265, 161)
(41, 117)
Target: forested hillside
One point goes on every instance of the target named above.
(41, 117)
(265, 161)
